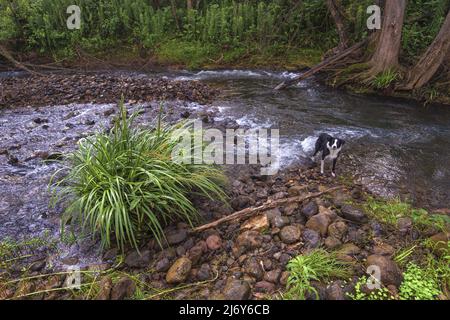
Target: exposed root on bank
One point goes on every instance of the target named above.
(326, 63)
(8, 56)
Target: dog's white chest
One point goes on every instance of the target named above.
(333, 153)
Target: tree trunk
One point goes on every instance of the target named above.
(174, 14)
(189, 4)
(431, 60)
(339, 22)
(387, 50)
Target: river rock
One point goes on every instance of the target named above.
(340, 198)
(383, 249)
(273, 276)
(328, 212)
(237, 290)
(280, 221)
(138, 260)
(310, 209)
(204, 273)
(348, 252)
(264, 287)
(105, 286)
(319, 223)
(332, 243)
(338, 229)
(38, 265)
(290, 234)
(214, 242)
(70, 260)
(284, 278)
(334, 291)
(242, 201)
(272, 214)
(162, 265)
(390, 273)
(248, 240)
(196, 252)
(439, 241)
(290, 209)
(311, 238)
(296, 190)
(176, 237)
(353, 213)
(404, 225)
(257, 223)
(254, 269)
(124, 288)
(179, 271)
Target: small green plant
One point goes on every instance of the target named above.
(375, 294)
(318, 265)
(384, 79)
(403, 255)
(418, 285)
(438, 266)
(125, 183)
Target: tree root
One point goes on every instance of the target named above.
(8, 56)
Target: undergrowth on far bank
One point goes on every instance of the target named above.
(124, 184)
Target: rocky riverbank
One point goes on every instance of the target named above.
(57, 89)
(241, 259)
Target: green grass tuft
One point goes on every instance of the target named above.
(389, 211)
(385, 79)
(125, 184)
(318, 265)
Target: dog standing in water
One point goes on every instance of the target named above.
(331, 148)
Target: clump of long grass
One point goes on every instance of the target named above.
(124, 184)
(317, 265)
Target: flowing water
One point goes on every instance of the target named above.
(393, 147)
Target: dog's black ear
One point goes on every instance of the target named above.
(342, 142)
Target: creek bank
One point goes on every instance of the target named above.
(247, 259)
(238, 260)
(57, 89)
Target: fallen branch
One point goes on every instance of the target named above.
(323, 64)
(5, 53)
(265, 206)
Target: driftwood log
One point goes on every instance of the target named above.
(325, 63)
(247, 212)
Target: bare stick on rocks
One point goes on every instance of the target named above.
(266, 206)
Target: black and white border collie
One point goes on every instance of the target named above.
(330, 147)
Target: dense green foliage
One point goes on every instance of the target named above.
(125, 183)
(418, 285)
(318, 265)
(217, 26)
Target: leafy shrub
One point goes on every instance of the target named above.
(318, 265)
(418, 285)
(124, 183)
